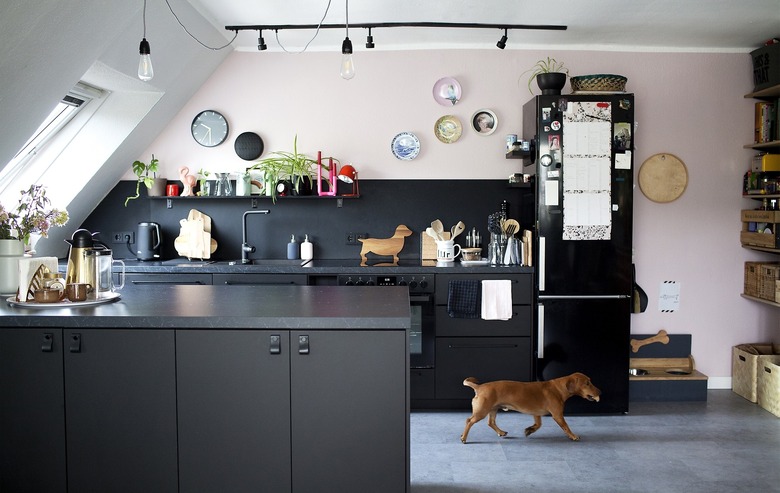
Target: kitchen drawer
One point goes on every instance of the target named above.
(257, 279)
(485, 358)
(518, 325)
(522, 285)
(144, 279)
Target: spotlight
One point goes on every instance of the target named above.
(261, 46)
(369, 39)
(502, 42)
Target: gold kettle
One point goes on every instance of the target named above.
(80, 270)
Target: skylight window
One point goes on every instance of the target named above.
(60, 116)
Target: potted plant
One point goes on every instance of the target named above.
(550, 76)
(32, 217)
(142, 171)
(296, 168)
(202, 180)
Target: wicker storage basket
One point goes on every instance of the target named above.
(769, 387)
(598, 82)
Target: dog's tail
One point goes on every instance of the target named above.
(471, 382)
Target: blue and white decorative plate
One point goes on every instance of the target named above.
(405, 146)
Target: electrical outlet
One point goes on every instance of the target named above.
(123, 237)
(351, 239)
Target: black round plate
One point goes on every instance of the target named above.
(249, 146)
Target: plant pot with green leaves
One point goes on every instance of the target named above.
(550, 76)
(147, 174)
(289, 170)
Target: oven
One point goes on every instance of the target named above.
(421, 289)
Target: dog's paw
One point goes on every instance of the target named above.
(462, 439)
(502, 433)
(574, 438)
(530, 430)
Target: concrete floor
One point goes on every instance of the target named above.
(724, 444)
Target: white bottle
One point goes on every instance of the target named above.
(307, 249)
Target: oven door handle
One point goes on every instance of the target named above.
(424, 298)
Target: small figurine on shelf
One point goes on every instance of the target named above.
(188, 181)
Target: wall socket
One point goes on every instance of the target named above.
(352, 238)
(123, 237)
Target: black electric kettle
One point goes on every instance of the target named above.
(148, 241)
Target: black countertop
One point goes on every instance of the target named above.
(316, 266)
(229, 307)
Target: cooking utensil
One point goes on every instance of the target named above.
(457, 229)
(438, 227)
(430, 232)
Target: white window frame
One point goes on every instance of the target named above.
(63, 113)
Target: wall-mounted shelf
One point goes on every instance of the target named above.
(768, 93)
(764, 146)
(760, 300)
(253, 199)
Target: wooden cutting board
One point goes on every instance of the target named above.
(194, 240)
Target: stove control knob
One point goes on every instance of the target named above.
(423, 283)
(412, 284)
(360, 282)
(349, 282)
(370, 282)
(402, 282)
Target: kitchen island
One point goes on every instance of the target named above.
(208, 388)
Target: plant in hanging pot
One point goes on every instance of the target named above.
(550, 76)
(147, 174)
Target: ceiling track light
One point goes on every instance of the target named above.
(261, 46)
(502, 42)
(369, 40)
(375, 25)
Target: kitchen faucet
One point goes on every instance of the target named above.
(246, 248)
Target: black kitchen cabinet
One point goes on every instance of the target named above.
(260, 279)
(486, 349)
(136, 280)
(117, 390)
(292, 411)
(32, 422)
(234, 410)
(120, 403)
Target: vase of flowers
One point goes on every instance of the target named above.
(33, 215)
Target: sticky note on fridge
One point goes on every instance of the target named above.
(623, 161)
(551, 192)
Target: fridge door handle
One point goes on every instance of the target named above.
(542, 261)
(540, 331)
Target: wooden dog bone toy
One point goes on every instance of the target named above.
(661, 337)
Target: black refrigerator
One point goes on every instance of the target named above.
(582, 158)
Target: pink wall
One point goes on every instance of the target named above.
(689, 105)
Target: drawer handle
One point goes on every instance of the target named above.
(47, 344)
(481, 346)
(75, 343)
(275, 344)
(303, 344)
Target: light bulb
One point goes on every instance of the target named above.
(145, 70)
(347, 64)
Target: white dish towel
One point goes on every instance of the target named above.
(497, 299)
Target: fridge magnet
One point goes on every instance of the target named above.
(484, 122)
(621, 136)
(554, 141)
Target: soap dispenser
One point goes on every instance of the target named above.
(292, 249)
(307, 249)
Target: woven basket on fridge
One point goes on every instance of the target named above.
(598, 82)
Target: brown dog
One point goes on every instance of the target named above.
(535, 398)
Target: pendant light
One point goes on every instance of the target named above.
(347, 64)
(145, 70)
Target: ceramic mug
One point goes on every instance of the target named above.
(446, 250)
(77, 291)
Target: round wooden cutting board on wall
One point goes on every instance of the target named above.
(663, 178)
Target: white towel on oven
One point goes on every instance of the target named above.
(497, 299)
